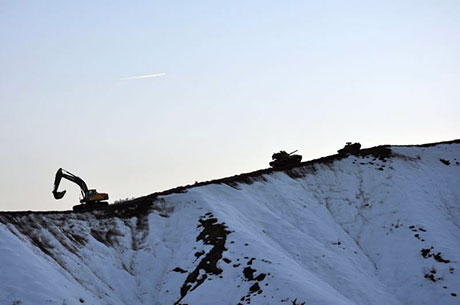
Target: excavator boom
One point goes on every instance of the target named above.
(61, 173)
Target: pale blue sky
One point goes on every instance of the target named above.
(243, 79)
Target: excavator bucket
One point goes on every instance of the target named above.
(58, 195)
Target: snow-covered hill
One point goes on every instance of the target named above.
(380, 228)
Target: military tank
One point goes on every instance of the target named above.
(349, 148)
(282, 158)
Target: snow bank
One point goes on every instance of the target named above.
(369, 229)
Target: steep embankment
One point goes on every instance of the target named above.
(379, 228)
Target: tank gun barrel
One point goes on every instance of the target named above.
(293, 152)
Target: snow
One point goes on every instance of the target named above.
(359, 230)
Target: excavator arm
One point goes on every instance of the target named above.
(71, 177)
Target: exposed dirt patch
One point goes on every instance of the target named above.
(431, 275)
(199, 253)
(380, 152)
(248, 273)
(437, 257)
(215, 234)
(295, 173)
(255, 288)
(446, 162)
(108, 237)
(139, 232)
(260, 277)
(418, 231)
(426, 253)
(139, 207)
(180, 270)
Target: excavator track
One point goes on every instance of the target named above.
(90, 206)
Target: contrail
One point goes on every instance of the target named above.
(143, 76)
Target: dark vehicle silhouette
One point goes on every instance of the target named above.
(282, 158)
(91, 198)
(349, 148)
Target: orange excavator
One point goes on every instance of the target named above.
(91, 198)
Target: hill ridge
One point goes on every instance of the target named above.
(380, 151)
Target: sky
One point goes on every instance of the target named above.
(235, 81)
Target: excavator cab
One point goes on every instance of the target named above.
(93, 195)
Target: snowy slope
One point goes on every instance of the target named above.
(380, 228)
